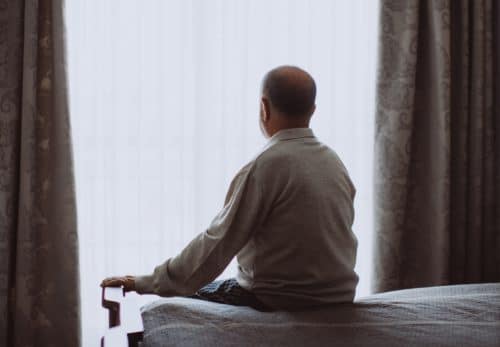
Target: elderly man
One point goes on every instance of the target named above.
(287, 217)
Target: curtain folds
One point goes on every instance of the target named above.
(39, 288)
(437, 144)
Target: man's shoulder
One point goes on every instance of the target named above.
(271, 155)
(245, 169)
(276, 159)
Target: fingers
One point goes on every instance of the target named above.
(127, 282)
(113, 282)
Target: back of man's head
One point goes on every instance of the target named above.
(291, 90)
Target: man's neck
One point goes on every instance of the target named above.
(289, 126)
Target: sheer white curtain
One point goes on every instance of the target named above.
(164, 102)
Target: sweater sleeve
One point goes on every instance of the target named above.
(208, 254)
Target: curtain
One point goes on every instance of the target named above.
(39, 289)
(164, 105)
(437, 144)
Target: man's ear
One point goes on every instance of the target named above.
(266, 109)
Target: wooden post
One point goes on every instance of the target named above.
(125, 323)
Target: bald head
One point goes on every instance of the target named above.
(291, 90)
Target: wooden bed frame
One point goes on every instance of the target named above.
(124, 317)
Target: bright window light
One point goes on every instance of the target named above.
(164, 99)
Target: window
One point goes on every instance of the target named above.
(164, 102)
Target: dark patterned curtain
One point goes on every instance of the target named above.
(39, 291)
(437, 151)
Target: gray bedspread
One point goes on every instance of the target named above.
(462, 315)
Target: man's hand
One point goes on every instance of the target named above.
(127, 282)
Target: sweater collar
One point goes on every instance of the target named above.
(292, 133)
(289, 134)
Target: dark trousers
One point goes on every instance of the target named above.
(231, 293)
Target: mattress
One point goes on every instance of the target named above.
(460, 315)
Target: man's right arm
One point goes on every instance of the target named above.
(210, 252)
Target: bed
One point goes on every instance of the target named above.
(459, 315)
